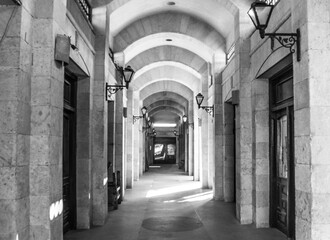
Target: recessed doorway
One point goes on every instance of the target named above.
(69, 153)
(282, 153)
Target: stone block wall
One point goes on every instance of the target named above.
(15, 72)
(311, 86)
(260, 152)
(31, 101)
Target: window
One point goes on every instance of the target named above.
(272, 2)
(85, 8)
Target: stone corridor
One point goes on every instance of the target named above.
(167, 204)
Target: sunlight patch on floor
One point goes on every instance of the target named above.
(171, 190)
(193, 198)
(198, 197)
(154, 166)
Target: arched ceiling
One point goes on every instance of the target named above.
(168, 53)
(166, 86)
(208, 10)
(162, 64)
(166, 107)
(165, 96)
(166, 103)
(161, 73)
(179, 40)
(170, 22)
(172, 45)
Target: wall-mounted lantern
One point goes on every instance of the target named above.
(153, 133)
(126, 74)
(208, 109)
(149, 124)
(144, 112)
(260, 14)
(184, 118)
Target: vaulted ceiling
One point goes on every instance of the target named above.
(172, 45)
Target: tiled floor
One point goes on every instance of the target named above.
(166, 204)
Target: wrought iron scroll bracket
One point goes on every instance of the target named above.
(209, 110)
(112, 89)
(287, 40)
(135, 118)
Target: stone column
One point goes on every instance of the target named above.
(46, 122)
(129, 141)
(229, 155)
(111, 137)
(191, 138)
(218, 129)
(84, 152)
(244, 138)
(136, 138)
(119, 136)
(312, 111)
(15, 111)
(100, 134)
(186, 146)
(141, 149)
(197, 140)
(260, 156)
(177, 151)
(204, 138)
(211, 140)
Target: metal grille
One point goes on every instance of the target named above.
(10, 2)
(231, 53)
(86, 8)
(272, 2)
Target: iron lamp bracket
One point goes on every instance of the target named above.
(208, 109)
(287, 40)
(135, 118)
(112, 89)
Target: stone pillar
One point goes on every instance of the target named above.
(186, 146)
(191, 138)
(177, 147)
(111, 137)
(84, 152)
(15, 80)
(218, 129)
(123, 175)
(142, 149)
(119, 136)
(204, 144)
(46, 121)
(312, 111)
(211, 150)
(229, 155)
(136, 138)
(129, 141)
(260, 152)
(197, 140)
(100, 134)
(244, 138)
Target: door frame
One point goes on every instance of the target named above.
(285, 107)
(70, 110)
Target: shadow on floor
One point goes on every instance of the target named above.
(166, 204)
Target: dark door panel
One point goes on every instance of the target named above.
(282, 154)
(69, 155)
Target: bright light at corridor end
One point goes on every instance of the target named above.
(164, 124)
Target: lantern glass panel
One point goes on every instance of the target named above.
(199, 99)
(128, 74)
(144, 111)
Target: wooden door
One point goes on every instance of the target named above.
(69, 155)
(282, 154)
(282, 158)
